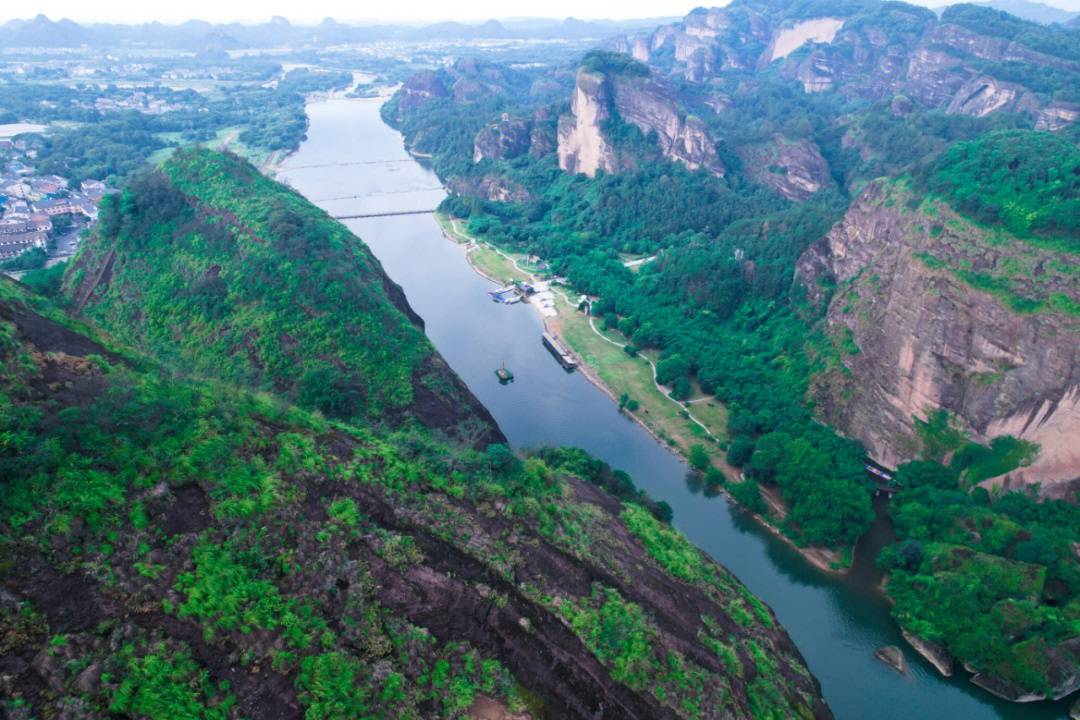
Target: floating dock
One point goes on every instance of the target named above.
(561, 354)
(507, 295)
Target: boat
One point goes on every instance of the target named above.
(503, 374)
(561, 354)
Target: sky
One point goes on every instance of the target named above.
(353, 11)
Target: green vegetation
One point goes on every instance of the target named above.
(115, 145)
(243, 552)
(1027, 181)
(695, 303)
(993, 579)
(617, 632)
(209, 273)
(32, 259)
(1054, 40)
(605, 61)
(156, 685)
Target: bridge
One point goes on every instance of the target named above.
(384, 214)
(388, 161)
(885, 484)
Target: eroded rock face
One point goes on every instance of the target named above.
(492, 187)
(937, 655)
(994, 48)
(905, 50)
(788, 40)
(983, 95)
(642, 102)
(507, 138)
(928, 340)
(1057, 115)
(933, 77)
(639, 48)
(792, 168)
(582, 147)
(421, 88)
(817, 72)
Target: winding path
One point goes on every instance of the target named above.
(660, 388)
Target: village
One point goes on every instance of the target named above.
(42, 212)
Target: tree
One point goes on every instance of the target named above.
(714, 476)
(926, 473)
(769, 452)
(698, 458)
(740, 450)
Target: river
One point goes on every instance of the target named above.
(352, 164)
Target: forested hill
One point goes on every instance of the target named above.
(210, 265)
(174, 544)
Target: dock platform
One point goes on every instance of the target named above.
(561, 354)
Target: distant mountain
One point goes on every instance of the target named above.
(201, 35)
(43, 32)
(216, 40)
(1027, 10)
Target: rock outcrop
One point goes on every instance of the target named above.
(927, 339)
(938, 656)
(873, 54)
(893, 657)
(420, 89)
(1057, 115)
(640, 101)
(639, 48)
(788, 40)
(226, 619)
(491, 187)
(794, 169)
(582, 147)
(543, 140)
(983, 95)
(507, 138)
(933, 77)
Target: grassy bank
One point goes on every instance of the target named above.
(607, 364)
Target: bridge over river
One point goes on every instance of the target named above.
(384, 214)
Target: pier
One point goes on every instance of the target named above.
(561, 354)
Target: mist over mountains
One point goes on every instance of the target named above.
(40, 31)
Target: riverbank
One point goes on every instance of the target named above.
(605, 364)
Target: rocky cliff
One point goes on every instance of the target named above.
(876, 52)
(582, 147)
(983, 95)
(640, 101)
(794, 169)
(505, 138)
(495, 187)
(419, 89)
(1057, 115)
(945, 315)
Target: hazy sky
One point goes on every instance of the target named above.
(310, 11)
